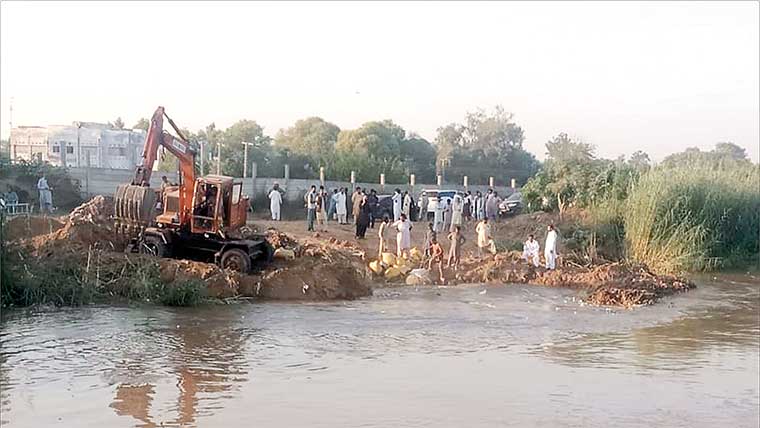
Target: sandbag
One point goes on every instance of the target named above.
(284, 253)
(404, 269)
(418, 277)
(388, 259)
(376, 267)
(392, 272)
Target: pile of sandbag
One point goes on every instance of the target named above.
(400, 269)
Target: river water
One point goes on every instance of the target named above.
(444, 357)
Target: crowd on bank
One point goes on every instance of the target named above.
(449, 217)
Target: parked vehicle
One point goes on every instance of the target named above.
(512, 205)
(385, 207)
(434, 195)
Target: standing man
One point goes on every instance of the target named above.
(447, 216)
(340, 205)
(422, 216)
(275, 201)
(403, 236)
(455, 248)
(456, 212)
(363, 220)
(467, 211)
(440, 207)
(372, 201)
(483, 229)
(331, 206)
(46, 196)
(550, 247)
(382, 234)
(321, 208)
(406, 206)
(487, 203)
(479, 206)
(496, 201)
(430, 236)
(356, 203)
(396, 198)
(311, 207)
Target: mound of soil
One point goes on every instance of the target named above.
(88, 225)
(612, 284)
(24, 227)
(318, 272)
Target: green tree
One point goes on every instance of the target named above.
(418, 156)
(724, 155)
(563, 149)
(377, 140)
(640, 161)
(118, 123)
(731, 151)
(486, 145)
(142, 123)
(260, 150)
(313, 137)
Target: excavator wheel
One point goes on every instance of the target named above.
(154, 246)
(236, 260)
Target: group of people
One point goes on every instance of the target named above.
(532, 249)
(449, 215)
(322, 207)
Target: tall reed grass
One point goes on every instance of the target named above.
(694, 217)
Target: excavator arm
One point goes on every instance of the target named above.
(134, 203)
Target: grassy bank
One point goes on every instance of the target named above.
(104, 278)
(694, 217)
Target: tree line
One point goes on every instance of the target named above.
(485, 144)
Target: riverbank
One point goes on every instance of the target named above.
(79, 259)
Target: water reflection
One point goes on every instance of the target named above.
(205, 356)
(135, 401)
(676, 345)
(5, 386)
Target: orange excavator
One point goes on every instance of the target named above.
(200, 218)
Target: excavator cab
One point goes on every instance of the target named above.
(218, 205)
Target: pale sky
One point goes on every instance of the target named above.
(658, 77)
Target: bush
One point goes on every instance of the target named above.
(694, 217)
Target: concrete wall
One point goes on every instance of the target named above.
(103, 181)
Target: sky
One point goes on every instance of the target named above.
(624, 76)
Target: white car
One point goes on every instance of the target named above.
(434, 195)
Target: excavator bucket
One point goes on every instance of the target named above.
(134, 208)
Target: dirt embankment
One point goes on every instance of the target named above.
(612, 284)
(331, 264)
(87, 238)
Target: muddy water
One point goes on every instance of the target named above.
(513, 356)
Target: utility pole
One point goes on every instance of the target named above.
(218, 159)
(245, 158)
(203, 154)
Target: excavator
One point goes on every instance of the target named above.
(200, 218)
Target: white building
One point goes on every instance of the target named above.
(78, 145)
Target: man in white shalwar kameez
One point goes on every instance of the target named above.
(397, 201)
(531, 250)
(275, 202)
(550, 247)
